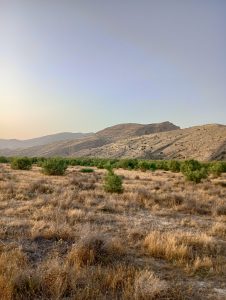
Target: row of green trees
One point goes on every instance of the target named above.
(193, 170)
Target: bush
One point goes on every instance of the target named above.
(216, 168)
(87, 170)
(197, 175)
(162, 165)
(194, 171)
(113, 183)
(128, 164)
(190, 165)
(21, 163)
(54, 166)
(3, 160)
(144, 165)
(153, 166)
(174, 166)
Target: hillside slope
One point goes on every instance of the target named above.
(207, 142)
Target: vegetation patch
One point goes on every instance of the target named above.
(113, 183)
(21, 163)
(54, 166)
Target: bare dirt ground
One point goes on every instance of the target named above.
(66, 238)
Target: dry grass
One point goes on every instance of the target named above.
(197, 253)
(65, 238)
(95, 249)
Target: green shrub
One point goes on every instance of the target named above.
(113, 183)
(21, 163)
(162, 165)
(153, 166)
(40, 161)
(128, 164)
(197, 175)
(190, 165)
(54, 166)
(86, 170)
(3, 160)
(145, 165)
(194, 170)
(217, 168)
(174, 165)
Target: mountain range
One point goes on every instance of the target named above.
(152, 141)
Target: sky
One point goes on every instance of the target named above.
(83, 65)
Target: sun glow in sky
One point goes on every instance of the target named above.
(85, 65)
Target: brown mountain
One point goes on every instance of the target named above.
(207, 142)
(132, 129)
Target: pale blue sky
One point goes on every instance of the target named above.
(84, 65)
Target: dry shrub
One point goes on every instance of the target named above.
(5, 288)
(40, 187)
(143, 197)
(201, 265)
(7, 190)
(83, 183)
(52, 231)
(196, 206)
(26, 285)
(103, 282)
(11, 262)
(168, 199)
(95, 249)
(54, 279)
(148, 286)
(76, 214)
(220, 209)
(219, 229)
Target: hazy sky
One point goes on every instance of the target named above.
(82, 65)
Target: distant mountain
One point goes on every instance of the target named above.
(44, 140)
(153, 141)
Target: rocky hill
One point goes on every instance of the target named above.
(207, 142)
(132, 129)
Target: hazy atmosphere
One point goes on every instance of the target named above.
(85, 65)
(113, 149)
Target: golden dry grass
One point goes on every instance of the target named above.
(65, 238)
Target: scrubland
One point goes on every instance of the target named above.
(64, 237)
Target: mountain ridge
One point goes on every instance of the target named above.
(204, 142)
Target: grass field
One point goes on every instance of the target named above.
(64, 237)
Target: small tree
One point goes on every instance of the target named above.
(113, 183)
(21, 163)
(54, 166)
